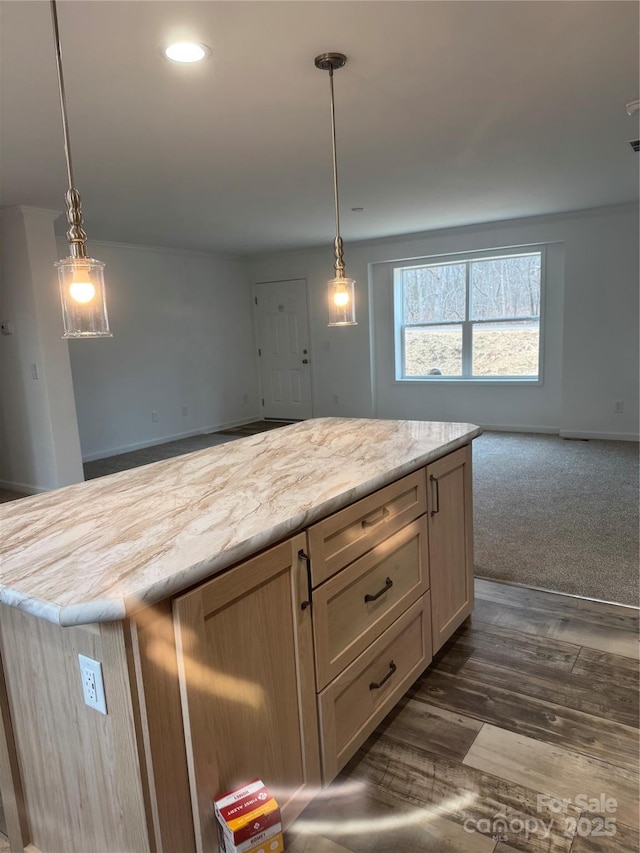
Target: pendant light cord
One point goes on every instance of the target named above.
(61, 92)
(76, 235)
(335, 163)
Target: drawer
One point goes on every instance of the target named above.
(357, 604)
(357, 700)
(344, 536)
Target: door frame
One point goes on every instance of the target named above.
(256, 334)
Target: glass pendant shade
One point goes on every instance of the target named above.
(342, 305)
(84, 307)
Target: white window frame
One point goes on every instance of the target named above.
(467, 324)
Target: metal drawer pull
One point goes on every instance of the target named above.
(437, 491)
(376, 685)
(381, 517)
(387, 585)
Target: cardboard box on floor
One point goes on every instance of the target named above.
(249, 820)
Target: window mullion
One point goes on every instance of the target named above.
(403, 351)
(466, 326)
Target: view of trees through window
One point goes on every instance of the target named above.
(477, 318)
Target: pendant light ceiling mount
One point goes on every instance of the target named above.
(330, 61)
(341, 289)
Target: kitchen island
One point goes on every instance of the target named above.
(257, 608)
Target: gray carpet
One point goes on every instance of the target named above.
(558, 514)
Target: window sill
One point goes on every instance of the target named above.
(432, 380)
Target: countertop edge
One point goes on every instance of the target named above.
(29, 604)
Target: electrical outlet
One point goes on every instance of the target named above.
(35, 373)
(336, 399)
(92, 683)
(154, 417)
(185, 411)
(245, 398)
(6, 328)
(618, 407)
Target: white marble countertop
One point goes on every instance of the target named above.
(98, 551)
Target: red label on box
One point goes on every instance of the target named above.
(246, 812)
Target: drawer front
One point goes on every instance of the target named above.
(356, 605)
(344, 536)
(358, 699)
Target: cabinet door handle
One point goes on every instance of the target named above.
(376, 685)
(436, 491)
(307, 559)
(368, 523)
(387, 585)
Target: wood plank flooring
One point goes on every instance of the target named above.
(9, 495)
(253, 428)
(532, 702)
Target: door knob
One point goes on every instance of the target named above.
(305, 361)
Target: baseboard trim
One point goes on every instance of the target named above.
(563, 433)
(607, 436)
(25, 488)
(532, 429)
(128, 448)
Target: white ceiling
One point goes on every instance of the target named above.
(447, 113)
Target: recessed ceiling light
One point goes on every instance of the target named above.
(186, 51)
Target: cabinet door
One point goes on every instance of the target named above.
(245, 658)
(450, 512)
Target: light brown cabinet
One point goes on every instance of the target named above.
(275, 687)
(245, 661)
(393, 579)
(450, 513)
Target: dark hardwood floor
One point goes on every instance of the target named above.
(514, 739)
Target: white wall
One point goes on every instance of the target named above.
(183, 336)
(40, 445)
(591, 334)
(600, 363)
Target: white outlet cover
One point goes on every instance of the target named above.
(91, 671)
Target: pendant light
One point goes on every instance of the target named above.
(81, 278)
(342, 309)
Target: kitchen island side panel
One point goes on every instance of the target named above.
(80, 769)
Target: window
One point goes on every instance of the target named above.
(472, 319)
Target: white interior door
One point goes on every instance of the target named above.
(283, 349)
